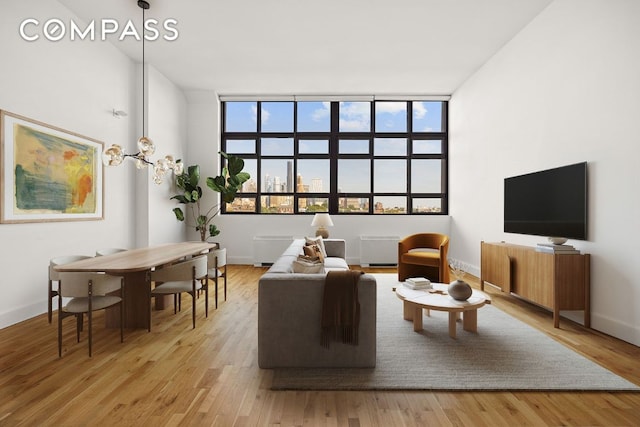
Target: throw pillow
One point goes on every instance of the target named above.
(307, 258)
(313, 251)
(307, 267)
(316, 241)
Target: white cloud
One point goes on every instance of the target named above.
(321, 113)
(354, 116)
(354, 125)
(419, 110)
(264, 113)
(391, 107)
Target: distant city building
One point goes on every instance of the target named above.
(267, 183)
(316, 185)
(300, 187)
(250, 186)
(289, 176)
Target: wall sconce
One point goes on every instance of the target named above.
(119, 113)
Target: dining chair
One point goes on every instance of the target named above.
(217, 264)
(89, 292)
(183, 277)
(54, 276)
(108, 251)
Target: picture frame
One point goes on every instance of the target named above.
(48, 173)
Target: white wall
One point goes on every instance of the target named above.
(564, 90)
(238, 231)
(167, 124)
(74, 86)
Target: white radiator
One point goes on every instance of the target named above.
(378, 250)
(267, 249)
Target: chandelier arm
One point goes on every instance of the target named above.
(138, 156)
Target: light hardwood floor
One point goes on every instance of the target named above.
(209, 376)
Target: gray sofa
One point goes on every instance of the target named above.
(289, 313)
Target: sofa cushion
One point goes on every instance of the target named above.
(334, 263)
(427, 258)
(283, 264)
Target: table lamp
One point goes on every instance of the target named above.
(322, 220)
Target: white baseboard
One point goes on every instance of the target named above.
(240, 260)
(615, 328)
(20, 314)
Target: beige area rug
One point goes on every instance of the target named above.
(505, 354)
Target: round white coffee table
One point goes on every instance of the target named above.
(415, 300)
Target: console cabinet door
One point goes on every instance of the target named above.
(534, 275)
(571, 274)
(495, 265)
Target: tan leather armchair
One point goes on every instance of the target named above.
(424, 255)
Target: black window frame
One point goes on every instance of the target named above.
(334, 136)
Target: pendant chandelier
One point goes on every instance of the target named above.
(115, 154)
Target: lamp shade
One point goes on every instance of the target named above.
(322, 220)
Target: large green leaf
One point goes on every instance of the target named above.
(194, 175)
(216, 184)
(233, 181)
(179, 214)
(228, 196)
(201, 220)
(236, 164)
(180, 198)
(243, 177)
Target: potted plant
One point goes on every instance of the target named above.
(228, 183)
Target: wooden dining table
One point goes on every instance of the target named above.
(135, 266)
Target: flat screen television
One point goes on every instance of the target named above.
(550, 203)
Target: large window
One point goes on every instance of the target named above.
(346, 157)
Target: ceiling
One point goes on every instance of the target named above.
(304, 47)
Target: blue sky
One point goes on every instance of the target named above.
(391, 116)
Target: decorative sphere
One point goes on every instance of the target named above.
(459, 290)
(146, 146)
(113, 155)
(178, 168)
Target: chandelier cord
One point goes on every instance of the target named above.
(144, 133)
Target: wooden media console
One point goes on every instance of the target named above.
(553, 281)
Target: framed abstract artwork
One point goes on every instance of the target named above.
(48, 173)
